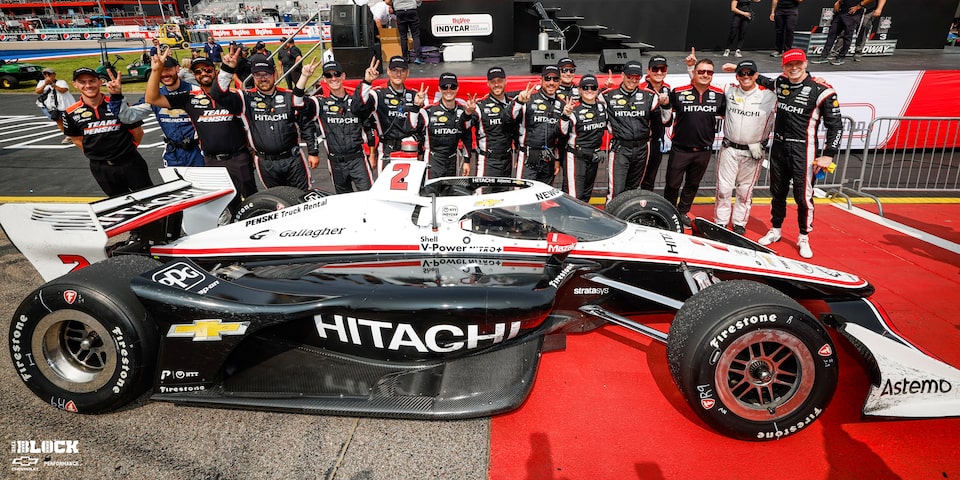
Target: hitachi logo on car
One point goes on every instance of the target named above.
(390, 336)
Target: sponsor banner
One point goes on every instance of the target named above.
(466, 25)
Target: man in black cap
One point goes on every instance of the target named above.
(496, 129)
(445, 126)
(261, 48)
(341, 118)
(696, 108)
(110, 145)
(391, 106)
(584, 129)
(746, 128)
(182, 148)
(290, 56)
(568, 85)
(656, 74)
(537, 112)
(275, 119)
(630, 110)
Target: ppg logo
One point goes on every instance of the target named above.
(179, 275)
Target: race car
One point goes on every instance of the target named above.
(431, 299)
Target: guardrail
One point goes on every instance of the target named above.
(891, 163)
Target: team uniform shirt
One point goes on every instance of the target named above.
(630, 113)
(341, 123)
(220, 131)
(538, 121)
(444, 130)
(496, 128)
(697, 113)
(390, 109)
(749, 117)
(584, 129)
(800, 109)
(657, 128)
(182, 149)
(105, 137)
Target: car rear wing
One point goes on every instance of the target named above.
(57, 238)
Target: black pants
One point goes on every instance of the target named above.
(627, 166)
(791, 161)
(537, 165)
(292, 77)
(240, 168)
(348, 171)
(121, 177)
(653, 164)
(685, 169)
(442, 166)
(842, 23)
(738, 31)
(291, 171)
(409, 21)
(580, 173)
(497, 165)
(784, 23)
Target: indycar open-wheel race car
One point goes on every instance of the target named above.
(431, 299)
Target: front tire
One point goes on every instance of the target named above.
(83, 342)
(750, 361)
(8, 81)
(645, 208)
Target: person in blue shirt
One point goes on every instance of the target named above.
(214, 51)
(183, 149)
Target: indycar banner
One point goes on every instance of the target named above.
(864, 96)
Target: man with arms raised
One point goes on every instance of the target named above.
(391, 106)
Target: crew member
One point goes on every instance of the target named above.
(746, 128)
(110, 145)
(696, 107)
(495, 128)
(783, 14)
(445, 126)
(222, 136)
(213, 51)
(656, 73)
(847, 15)
(537, 113)
(391, 106)
(738, 26)
(871, 17)
(182, 148)
(629, 111)
(341, 118)
(290, 56)
(801, 106)
(275, 119)
(584, 128)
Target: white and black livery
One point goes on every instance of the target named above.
(430, 299)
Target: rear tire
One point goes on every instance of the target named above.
(269, 200)
(646, 208)
(8, 81)
(750, 361)
(84, 342)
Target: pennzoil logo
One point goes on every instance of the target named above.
(210, 330)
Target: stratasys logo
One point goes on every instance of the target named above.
(591, 290)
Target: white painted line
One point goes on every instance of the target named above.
(899, 227)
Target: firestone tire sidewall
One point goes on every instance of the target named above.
(701, 379)
(135, 355)
(631, 204)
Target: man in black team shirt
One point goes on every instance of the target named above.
(275, 119)
(391, 106)
(341, 119)
(495, 128)
(110, 146)
(697, 107)
(538, 112)
(584, 129)
(223, 139)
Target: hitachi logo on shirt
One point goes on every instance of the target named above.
(263, 117)
(700, 108)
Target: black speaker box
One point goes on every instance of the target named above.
(612, 59)
(542, 58)
(351, 26)
(344, 14)
(355, 60)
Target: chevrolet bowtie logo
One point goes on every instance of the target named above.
(208, 330)
(25, 461)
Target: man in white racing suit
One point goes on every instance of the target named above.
(746, 131)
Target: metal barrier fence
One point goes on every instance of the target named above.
(916, 154)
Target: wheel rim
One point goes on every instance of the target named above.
(648, 219)
(76, 351)
(765, 375)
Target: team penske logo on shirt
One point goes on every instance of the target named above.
(214, 116)
(102, 126)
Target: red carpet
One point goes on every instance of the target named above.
(606, 408)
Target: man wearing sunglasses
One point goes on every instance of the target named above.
(566, 90)
(537, 112)
(656, 74)
(584, 129)
(495, 128)
(391, 104)
(275, 118)
(746, 128)
(445, 126)
(182, 148)
(341, 118)
(630, 111)
(222, 137)
(696, 107)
